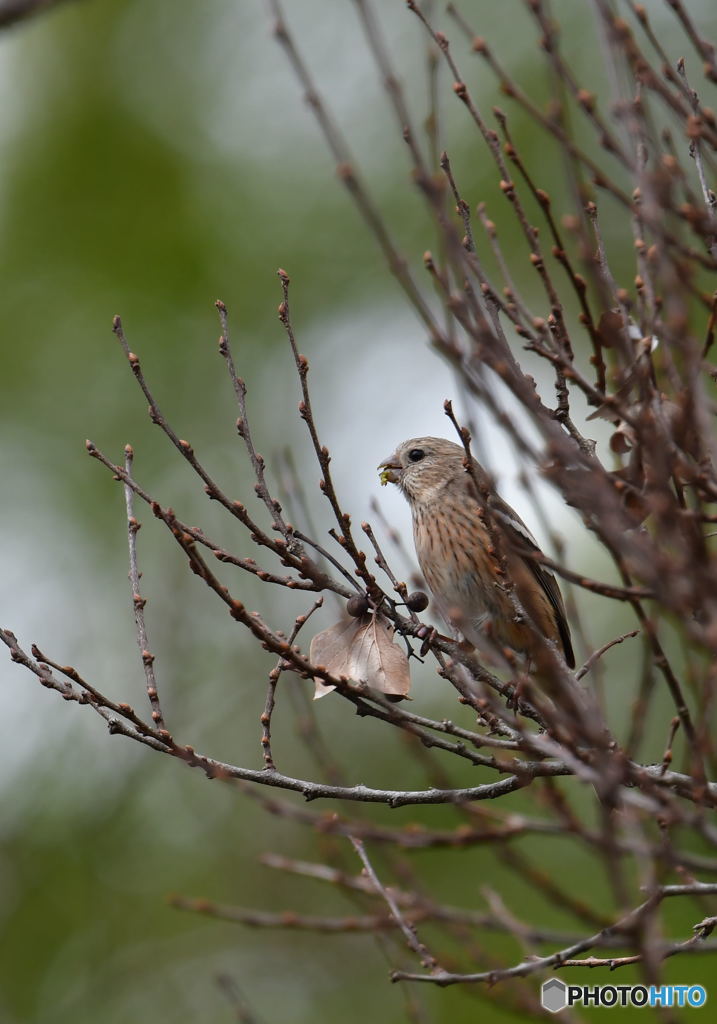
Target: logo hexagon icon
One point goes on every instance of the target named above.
(553, 995)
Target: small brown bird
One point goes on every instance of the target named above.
(458, 558)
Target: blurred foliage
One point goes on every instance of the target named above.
(155, 157)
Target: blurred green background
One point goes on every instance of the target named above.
(156, 156)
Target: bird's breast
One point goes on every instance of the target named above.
(454, 553)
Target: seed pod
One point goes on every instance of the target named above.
(417, 601)
(357, 605)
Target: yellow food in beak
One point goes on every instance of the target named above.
(390, 471)
(388, 474)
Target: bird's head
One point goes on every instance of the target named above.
(423, 466)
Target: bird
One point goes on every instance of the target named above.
(457, 519)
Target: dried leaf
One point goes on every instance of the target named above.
(362, 649)
(623, 440)
(610, 327)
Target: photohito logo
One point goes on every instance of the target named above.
(555, 995)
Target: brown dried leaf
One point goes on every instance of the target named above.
(610, 328)
(623, 440)
(362, 649)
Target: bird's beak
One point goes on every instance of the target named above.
(390, 470)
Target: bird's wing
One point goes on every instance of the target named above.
(520, 537)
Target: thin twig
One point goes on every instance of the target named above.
(138, 602)
(409, 932)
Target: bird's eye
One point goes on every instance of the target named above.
(416, 454)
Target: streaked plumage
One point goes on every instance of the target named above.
(458, 559)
